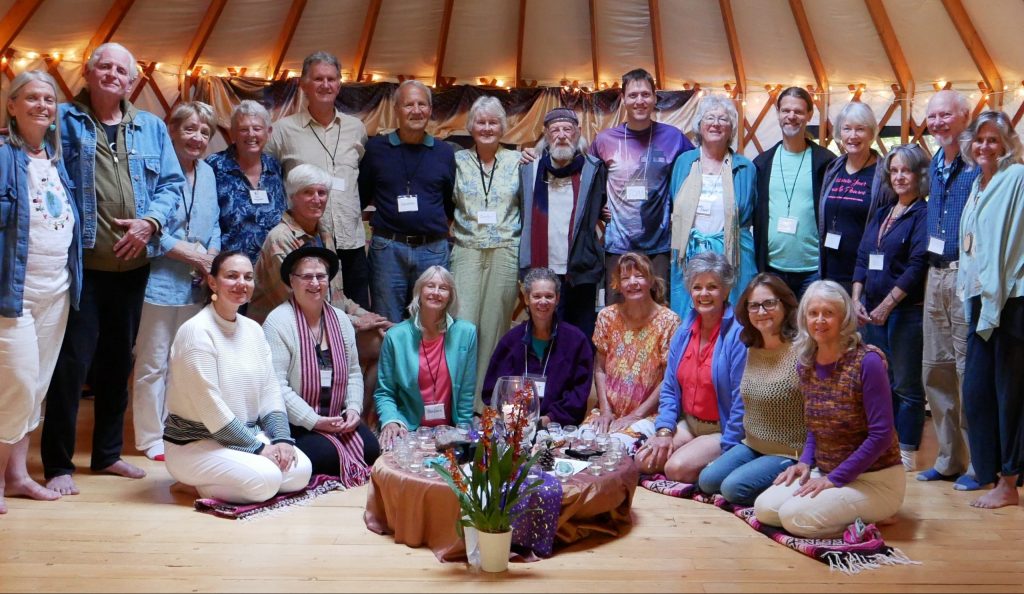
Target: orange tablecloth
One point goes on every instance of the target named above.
(422, 511)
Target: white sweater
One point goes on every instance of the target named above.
(221, 384)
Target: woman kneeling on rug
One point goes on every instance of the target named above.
(227, 430)
(313, 347)
(700, 413)
(851, 441)
(773, 419)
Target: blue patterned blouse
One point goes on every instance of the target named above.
(244, 225)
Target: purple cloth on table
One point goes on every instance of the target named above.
(535, 529)
(878, 409)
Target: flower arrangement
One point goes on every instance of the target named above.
(498, 476)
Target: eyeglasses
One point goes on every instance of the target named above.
(767, 305)
(712, 120)
(310, 278)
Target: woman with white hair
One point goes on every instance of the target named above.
(850, 465)
(486, 230)
(852, 191)
(40, 271)
(713, 201)
(250, 188)
(427, 372)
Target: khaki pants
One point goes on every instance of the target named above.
(942, 369)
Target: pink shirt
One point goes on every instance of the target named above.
(434, 381)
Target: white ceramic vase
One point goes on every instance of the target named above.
(494, 549)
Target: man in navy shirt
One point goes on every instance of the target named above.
(409, 176)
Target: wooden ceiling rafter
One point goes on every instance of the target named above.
(592, 10)
(976, 48)
(520, 35)
(291, 23)
(15, 20)
(654, 10)
(739, 92)
(195, 49)
(51, 67)
(105, 32)
(140, 83)
(365, 39)
(898, 62)
(442, 42)
(821, 94)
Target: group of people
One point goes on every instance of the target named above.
(771, 330)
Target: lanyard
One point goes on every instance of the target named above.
(405, 168)
(888, 223)
(188, 206)
(547, 355)
(624, 149)
(782, 170)
(486, 183)
(337, 141)
(433, 370)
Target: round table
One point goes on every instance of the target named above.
(421, 511)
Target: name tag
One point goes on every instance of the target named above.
(326, 378)
(936, 245)
(338, 184)
(408, 203)
(259, 197)
(832, 240)
(434, 412)
(636, 193)
(539, 381)
(787, 225)
(876, 261)
(487, 217)
(704, 208)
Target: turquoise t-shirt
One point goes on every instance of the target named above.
(540, 346)
(791, 195)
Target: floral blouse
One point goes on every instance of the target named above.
(474, 226)
(244, 223)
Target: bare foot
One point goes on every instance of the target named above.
(30, 489)
(1001, 496)
(122, 468)
(62, 484)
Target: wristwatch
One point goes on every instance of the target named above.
(663, 432)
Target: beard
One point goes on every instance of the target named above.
(561, 152)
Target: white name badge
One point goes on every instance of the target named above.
(541, 386)
(936, 245)
(338, 184)
(832, 240)
(433, 412)
(704, 208)
(876, 261)
(636, 193)
(326, 378)
(408, 203)
(259, 197)
(487, 217)
(787, 225)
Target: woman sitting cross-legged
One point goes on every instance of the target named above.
(850, 466)
(773, 419)
(700, 412)
(227, 430)
(313, 347)
(427, 371)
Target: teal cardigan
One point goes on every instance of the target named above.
(398, 392)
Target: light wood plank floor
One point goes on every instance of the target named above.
(121, 535)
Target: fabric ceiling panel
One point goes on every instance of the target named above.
(405, 40)
(624, 38)
(557, 42)
(244, 37)
(331, 26)
(482, 41)
(50, 30)
(772, 50)
(166, 43)
(999, 24)
(848, 44)
(931, 44)
(695, 46)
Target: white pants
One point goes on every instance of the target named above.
(873, 496)
(233, 476)
(157, 329)
(29, 346)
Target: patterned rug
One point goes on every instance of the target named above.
(849, 558)
(318, 485)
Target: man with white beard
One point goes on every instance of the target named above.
(563, 194)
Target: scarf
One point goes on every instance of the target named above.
(539, 215)
(354, 471)
(685, 212)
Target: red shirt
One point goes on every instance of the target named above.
(434, 382)
(694, 375)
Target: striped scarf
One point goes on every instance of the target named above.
(539, 216)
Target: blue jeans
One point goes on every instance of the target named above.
(394, 268)
(741, 474)
(993, 393)
(902, 341)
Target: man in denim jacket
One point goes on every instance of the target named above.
(127, 181)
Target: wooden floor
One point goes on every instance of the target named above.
(121, 535)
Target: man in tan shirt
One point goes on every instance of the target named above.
(321, 135)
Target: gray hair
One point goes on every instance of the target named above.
(710, 103)
(250, 108)
(487, 105)
(536, 275)
(711, 263)
(834, 293)
(959, 101)
(411, 83)
(304, 176)
(856, 112)
(453, 296)
(581, 142)
(133, 67)
(320, 57)
(1007, 136)
(50, 136)
(915, 159)
(186, 110)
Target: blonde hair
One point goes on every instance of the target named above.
(453, 296)
(834, 293)
(51, 136)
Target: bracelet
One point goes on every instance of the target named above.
(663, 432)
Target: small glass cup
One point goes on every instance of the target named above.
(416, 463)
(587, 437)
(609, 463)
(603, 442)
(563, 470)
(596, 467)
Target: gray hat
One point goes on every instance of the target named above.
(561, 114)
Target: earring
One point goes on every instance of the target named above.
(53, 127)
(213, 297)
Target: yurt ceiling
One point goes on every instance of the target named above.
(741, 47)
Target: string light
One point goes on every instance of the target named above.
(32, 55)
